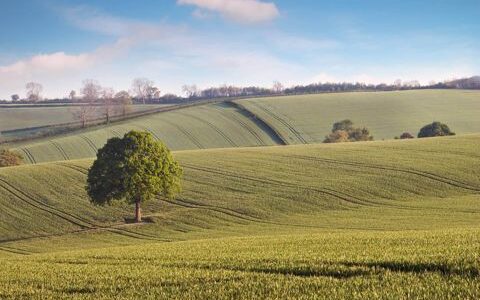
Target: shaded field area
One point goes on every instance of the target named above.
(308, 118)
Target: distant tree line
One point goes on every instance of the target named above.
(144, 91)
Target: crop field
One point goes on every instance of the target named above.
(376, 220)
(274, 121)
(307, 119)
(17, 117)
(210, 126)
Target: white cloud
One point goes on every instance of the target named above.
(55, 62)
(242, 11)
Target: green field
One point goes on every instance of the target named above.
(307, 119)
(375, 220)
(271, 121)
(16, 116)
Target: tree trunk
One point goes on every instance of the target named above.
(138, 212)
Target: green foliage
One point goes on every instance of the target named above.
(406, 135)
(345, 125)
(10, 158)
(435, 129)
(344, 131)
(136, 168)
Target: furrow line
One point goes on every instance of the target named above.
(285, 123)
(186, 133)
(439, 178)
(59, 148)
(215, 128)
(332, 193)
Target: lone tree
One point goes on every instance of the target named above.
(435, 129)
(9, 158)
(136, 169)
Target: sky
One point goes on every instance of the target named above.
(59, 43)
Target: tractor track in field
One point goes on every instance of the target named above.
(89, 142)
(235, 214)
(60, 149)
(73, 167)
(429, 175)
(14, 250)
(215, 128)
(29, 155)
(115, 133)
(42, 206)
(242, 124)
(282, 121)
(189, 136)
(86, 225)
(336, 194)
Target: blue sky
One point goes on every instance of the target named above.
(242, 42)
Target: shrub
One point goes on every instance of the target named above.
(338, 136)
(344, 131)
(435, 129)
(9, 158)
(406, 135)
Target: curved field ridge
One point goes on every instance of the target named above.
(396, 219)
(275, 121)
(309, 118)
(208, 126)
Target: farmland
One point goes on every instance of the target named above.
(307, 119)
(24, 116)
(359, 220)
(273, 121)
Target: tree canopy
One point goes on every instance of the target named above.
(344, 131)
(435, 129)
(136, 169)
(9, 158)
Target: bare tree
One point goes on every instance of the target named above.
(191, 91)
(15, 97)
(34, 91)
(123, 101)
(91, 90)
(277, 87)
(84, 113)
(142, 88)
(107, 100)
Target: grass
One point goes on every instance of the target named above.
(286, 120)
(17, 117)
(394, 219)
(210, 126)
(307, 119)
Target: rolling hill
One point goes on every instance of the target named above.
(274, 121)
(373, 219)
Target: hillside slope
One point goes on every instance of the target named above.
(419, 184)
(275, 121)
(376, 220)
(309, 118)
